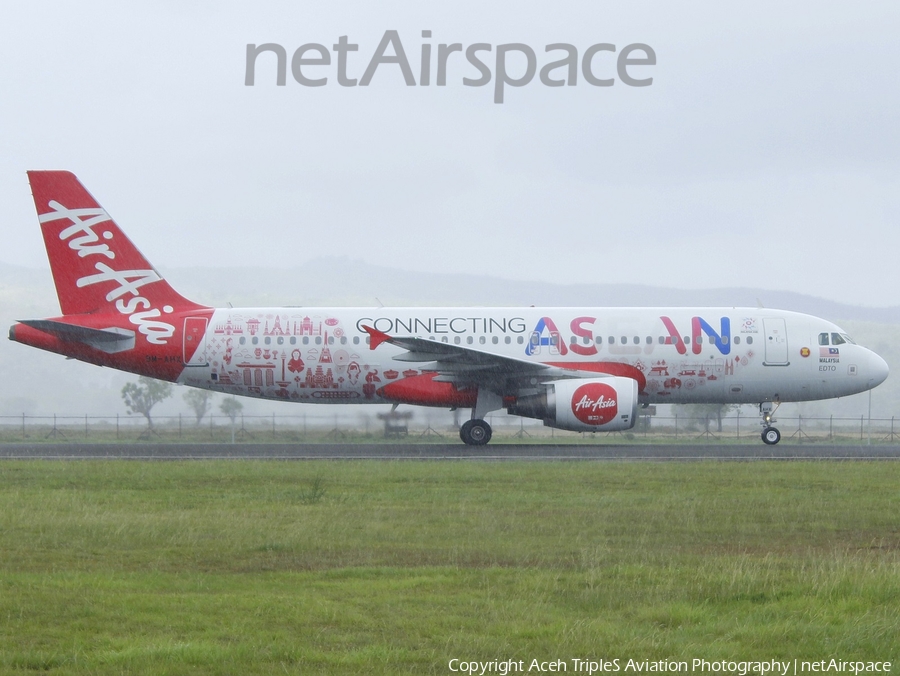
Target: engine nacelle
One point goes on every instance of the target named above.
(583, 405)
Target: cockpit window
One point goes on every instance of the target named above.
(835, 339)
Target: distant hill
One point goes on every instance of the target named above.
(328, 281)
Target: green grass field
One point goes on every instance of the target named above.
(235, 567)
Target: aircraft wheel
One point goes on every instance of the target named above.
(771, 436)
(475, 432)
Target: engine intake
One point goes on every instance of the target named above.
(583, 405)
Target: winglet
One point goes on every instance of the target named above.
(377, 337)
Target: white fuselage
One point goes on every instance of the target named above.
(686, 355)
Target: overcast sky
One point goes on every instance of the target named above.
(765, 153)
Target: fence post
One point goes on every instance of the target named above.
(738, 434)
(676, 427)
(869, 425)
(179, 425)
(117, 426)
(23, 425)
(85, 426)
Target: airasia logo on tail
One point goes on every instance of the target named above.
(595, 404)
(82, 239)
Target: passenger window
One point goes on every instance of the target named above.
(699, 340)
(495, 340)
(836, 339)
(520, 340)
(823, 339)
(508, 340)
(636, 340)
(624, 340)
(737, 340)
(749, 340)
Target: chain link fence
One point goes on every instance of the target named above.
(438, 426)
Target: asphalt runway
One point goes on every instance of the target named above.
(456, 451)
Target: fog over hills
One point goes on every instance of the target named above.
(39, 383)
(343, 281)
(336, 280)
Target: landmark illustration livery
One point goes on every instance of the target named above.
(580, 369)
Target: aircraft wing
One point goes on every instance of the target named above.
(469, 367)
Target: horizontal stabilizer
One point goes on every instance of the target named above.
(108, 340)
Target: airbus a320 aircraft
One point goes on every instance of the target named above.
(580, 369)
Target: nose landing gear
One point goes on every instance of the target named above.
(770, 435)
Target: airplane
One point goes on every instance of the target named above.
(578, 369)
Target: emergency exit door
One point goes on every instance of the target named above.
(195, 341)
(776, 342)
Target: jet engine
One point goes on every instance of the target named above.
(583, 405)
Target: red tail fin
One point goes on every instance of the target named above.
(95, 266)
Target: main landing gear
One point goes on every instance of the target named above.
(475, 432)
(770, 435)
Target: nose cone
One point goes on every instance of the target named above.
(876, 370)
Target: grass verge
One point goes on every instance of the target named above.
(230, 567)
